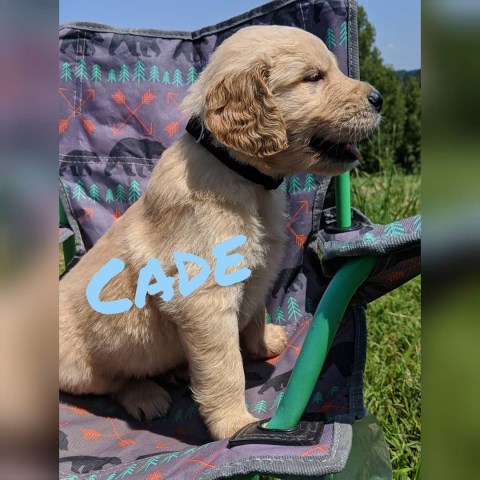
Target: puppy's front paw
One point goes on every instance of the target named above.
(275, 338)
(144, 398)
(228, 426)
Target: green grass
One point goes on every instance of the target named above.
(386, 196)
(61, 260)
(392, 376)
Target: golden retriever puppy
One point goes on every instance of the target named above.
(275, 98)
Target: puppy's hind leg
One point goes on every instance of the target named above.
(78, 376)
(262, 340)
(143, 398)
(138, 397)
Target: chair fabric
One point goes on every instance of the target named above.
(119, 95)
(396, 245)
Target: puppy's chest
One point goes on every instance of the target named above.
(266, 233)
(264, 254)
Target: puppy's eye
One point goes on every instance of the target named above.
(313, 77)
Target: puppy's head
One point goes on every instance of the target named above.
(277, 99)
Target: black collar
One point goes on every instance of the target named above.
(201, 135)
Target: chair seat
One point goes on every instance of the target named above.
(99, 440)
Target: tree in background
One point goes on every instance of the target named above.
(398, 138)
(409, 151)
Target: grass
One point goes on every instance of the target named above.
(392, 376)
(386, 196)
(61, 260)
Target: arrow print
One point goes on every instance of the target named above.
(300, 239)
(88, 125)
(88, 213)
(147, 98)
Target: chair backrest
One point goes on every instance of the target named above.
(119, 95)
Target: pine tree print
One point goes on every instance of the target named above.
(177, 78)
(417, 222)
(109, 198)
(192, 75)
(178, 416)
(81, 72)
(154, 74)
(112, 76)
(283, 186)
(96, 73)
(247, 406)
(93, 192)
(189, 451)
(139, 72)
(294, 184)
(309, 305)
(330, 39)
(191, 411)
(111, 476)
(318, 397)
(66, 188)
(152, 461)
(343, 34)
(124, 75)
(393, 229)
(120, 197)
(293, 309)
(279, 317)
(92, 477)
(79, 191)
(170, 456)
(333, 391)
(128, 471)
(260, 406)
(166, 78)
(277, 400)
(134, 191)
(205, 445)
(66, 73)
(309, 182)
(368, 237)
(268, 318)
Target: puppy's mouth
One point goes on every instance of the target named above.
(339, 152)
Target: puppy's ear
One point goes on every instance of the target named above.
(242, 114)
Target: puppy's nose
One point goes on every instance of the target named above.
(376, 100)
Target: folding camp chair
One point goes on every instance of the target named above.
(119, 96)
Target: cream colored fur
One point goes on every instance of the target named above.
(192, 203)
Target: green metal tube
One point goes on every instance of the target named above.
(69, 244)
(319, 338)
(342, 200)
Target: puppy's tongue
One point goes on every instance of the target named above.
(354, 150)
